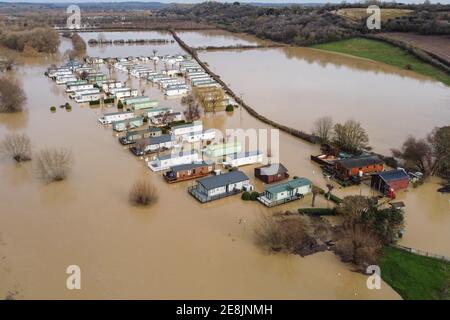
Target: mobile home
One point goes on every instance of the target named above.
(175, 90)
(136, 99)
(271, 173)
(166, 161)
(128, 124)
(199, 136)
(87, 97)
(153, 144)
(219, 186)
(133, 136)
(285, 192)
(66, 78)
(76, 93)
(223, 149)
(144, 105)
(79, 87)
(115, 116)
(188, 171)
(186, 128)
(243, 158)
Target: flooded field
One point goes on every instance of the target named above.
(295, 86)
(177, 249)
(217, 38)
(125, 50)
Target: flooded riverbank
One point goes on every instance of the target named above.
(177, 249)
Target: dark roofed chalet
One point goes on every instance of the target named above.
(271, 173)
(364, 163)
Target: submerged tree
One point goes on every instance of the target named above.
(53, 164)
(431, 156)
(143, 193)
(12, 96)
(17, 147)
(323, 129)
(350, 136)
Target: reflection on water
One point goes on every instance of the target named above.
(176, 249)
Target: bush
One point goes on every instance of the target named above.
(229, 108)
(68, 106)
(108, 100)
(286, 233)
(246, 196)
(17, 147)
(53, 164)
(53, 109)
(254, 196)
(12, 96)
(143, 193)
(120, 104)
(93, 103)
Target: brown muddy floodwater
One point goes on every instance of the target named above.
(176, 249)
(295, 86)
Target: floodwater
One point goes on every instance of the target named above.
(122, 51)
(175, 249)
(217, 38)
(295, 86)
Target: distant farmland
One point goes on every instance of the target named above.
(356, 14)
(436, 45)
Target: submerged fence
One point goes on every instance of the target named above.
(421, 252)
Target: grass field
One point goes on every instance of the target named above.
(386, 53)
(415, 277)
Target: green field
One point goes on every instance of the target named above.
(386, 53)
(415, 277)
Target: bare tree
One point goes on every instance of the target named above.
(353, 207)
(17, 147)
(143, 193)
(53, 164)
(192, 111)
(315, 191)
(12, 96)
(350, 136)
(416, 153)
(439, 139)
(323, 128)
(211, 99)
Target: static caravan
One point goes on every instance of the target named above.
(171, 81)
(144, 105)
(166, 161)
(128, 124)
(171, 72)
(186, 128)
(176, 90)
(97, 78)
(153, 144)
(79, 87)
(206, 83)
(243, 158)
(166, 117)
(66, 78)
(223, 149)
(203, 76)
(121, 93)
(153, 112)
(87, 97)
(133, 136)
(111, 84)
(136, 99)
(199, 136)
(76, 83)
(219, 186)
(158, 80)
(59, 72)
(285, 192)
(115, 116)
(188, 171)
(76, 93)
